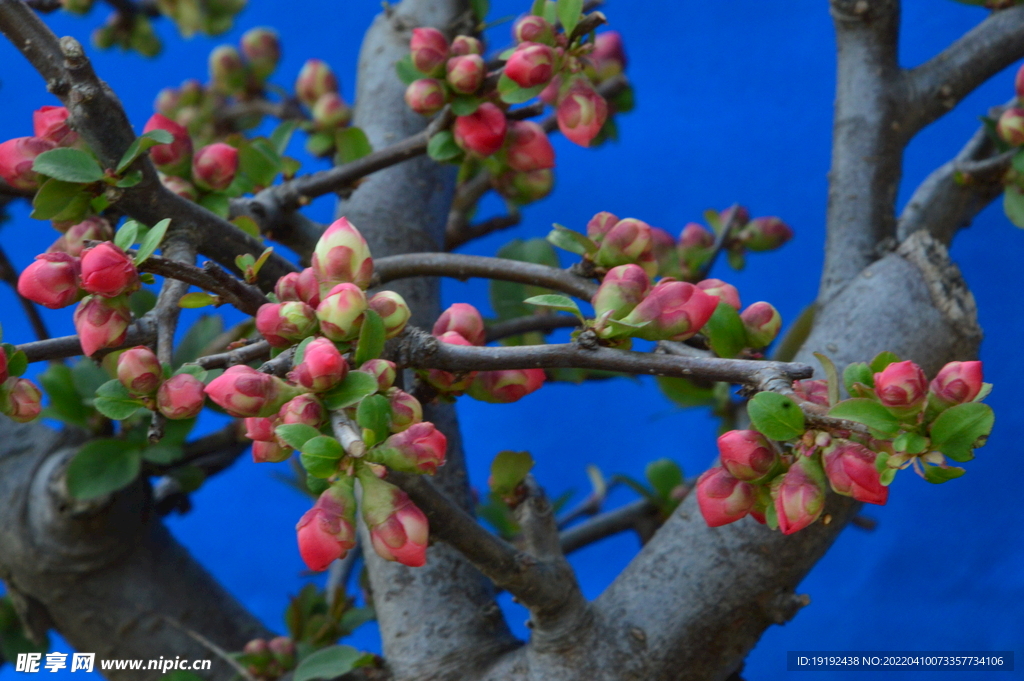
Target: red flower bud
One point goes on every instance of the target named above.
(16, 159)
(675, 310)
(722, 498)
(466, 73)
(1018, 83)
(533, 29)
(139, 370)
(726, 293)
(398, 529)
(227, 72)
(695, 236)
(327, 531)
(746, 454)
(180, 186)
(464, 44)
(446, 381)
(525, 188)
(957, 382)
(242, 391)
(51, 123)
(815, 391)
(283, 650)
(429, 50)
(383, 370)
(531, 64)
(762, 322)
(342, 256)
(322, 366)
(901, 385)
(426, 96)
(301, 286)
(51, 281)
(483, 131)
(799, 495)
(180, 397)
(262, 48)
(330, 112)
(608, 57)
(664, 248)
(600, 225)
(629, 241)
(529, 147)
(214, 166)
(315, 80)
(3, 365)
(765, 234)
(22, 401)
(341, 312)
(851, 470)
(269, 452)
(1011, 126)
(305, 409)
(506, 385)
(465, 320)
(284, 324)
(261, 429)
(171, 158)
(622, 290)
(73, 241)
(108, 271)
(102, 322)
(581, 112)
(392, 309)
(406, 410)
(420, 448)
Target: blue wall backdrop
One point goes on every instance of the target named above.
(734, 105)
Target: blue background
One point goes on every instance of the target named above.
(734, 105)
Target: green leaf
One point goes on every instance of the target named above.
(66, 404)
(508, 470)
(511, 93)
(882, 360)
(247, 225)
(142, 144)
(330, 663)
(192, 370)
(881, 421)
(374, 414)
(464, 105)
(197, 299)
(151, 241)
(53, 197)
(685, 392)
(259, 161)
(569, 12)
(199, 335)
(664, 475)
(190, 478)
(571, 240)
(282, 135)
(776, 416)
(407, 73)
(911, 443)
(320, 456)
(725, 331)
(371, 338)
(87, 378)
(351, 144)
(115, 402)
(356, 386)
(480, 8)
(69, 165)
(101, 467)
(300, 350)
(537, 9)
(858, 372)
(217, 203)
(555, 301)
(959, 429)
(163, 454)
(126, 235)
(296, 435)
(940, 474)
(832, 376)
(442, 147)
(141, 302)
(17, 361)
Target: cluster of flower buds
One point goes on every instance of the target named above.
(785, 484)
(317, 88)
(269, 660)
(461, 324)
(50, 130)
(177, 397)
(20, 399)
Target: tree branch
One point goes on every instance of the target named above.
(470, 232)
(142, 332)
(607, 524)
(544, 323)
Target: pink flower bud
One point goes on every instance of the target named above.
(315, 80)
(506, 385)
(420, 448)
(1018, 83)
(465, 320)
(676, 310)
(383, 370)
(483, 131)
(342, 256)
(600, 225)
(270, 452)
(73, 241)
(262, 48)
(722, 498)
(171, 158)
(108, 271)
(525, 188)
(466, 73)
(392, 309)
(283, 650)
(622, 290)
(815, 391)
(533, 29)
(529, 147)
(21, 400)
(3, 365)
(663, 246)
(305, 409)
(957, 382)
(531, 64)
(746, 454)
(167, 101)
(426, 96)
(341, 312)
(695, 236)
(102, 322)
(322, 366)
(180, 186)
(446, 381)
(301, 286)
(726, 293)
(227, 72)
(327, 531)
(742, 216)
(762, 322)
(51, 280)
(406, 410)
(180, 397)
(285, 324)
(765, 234)
(214, 166)
(901, 385)
(851, 470)
(16, 159)
(464, 44)
(429, 50)
(261, 429)
(627, 242)
(398, 529)
(799, 495)
(609, 57)
(139, 370)
(242, 391)
(1011, 126)
(330, 112)
(549, 95)
(51, 123)
(581, 112)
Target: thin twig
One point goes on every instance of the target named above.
(607, 524)
(721, 240)
(243, 355)
(210, 278)
(10, 276)
(544, 323)
(481, 229)
(142, 332)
